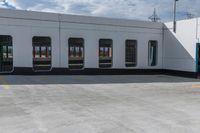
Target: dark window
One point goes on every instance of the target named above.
(153, 53)
(6, 53)
(76, 53)
(131, 53)
(41, 53)
(105, 53)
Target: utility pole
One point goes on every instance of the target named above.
(175, 15)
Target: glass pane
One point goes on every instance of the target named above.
(71, 51)
(105, 53)
(110, 52)
(10, 54)
(77, 51)
(4, 52)
(101, 51)
(81, 52)
(153, 53)
(43, 52)
(49, 52)
(37, 52)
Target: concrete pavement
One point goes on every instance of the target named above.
(99, 104)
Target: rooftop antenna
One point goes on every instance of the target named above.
(154, 17)
(190, 15)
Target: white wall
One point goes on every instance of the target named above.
(180, 49)
(23, 25)
(92, 33)
(198, 30)
(175, 51)
(22, 32)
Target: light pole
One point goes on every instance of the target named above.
(175, 15)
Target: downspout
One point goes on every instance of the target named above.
(163, 44)
(197, 46)
(197, 30)
(59, 21)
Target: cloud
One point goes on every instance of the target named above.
(130, 9)
(5, 4)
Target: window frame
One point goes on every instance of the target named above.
(105, 39)
(82, 40)
(40, 47)
(12, 70)
(136, 58)
(149, 43)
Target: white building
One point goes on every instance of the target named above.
(47, 43)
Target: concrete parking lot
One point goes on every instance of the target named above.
(99, 104)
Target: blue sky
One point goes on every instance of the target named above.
(130, 9)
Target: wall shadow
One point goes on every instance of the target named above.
(175, 55)
(99, 79)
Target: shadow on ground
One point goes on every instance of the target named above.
(116, 79)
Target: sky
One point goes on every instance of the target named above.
(128, 9)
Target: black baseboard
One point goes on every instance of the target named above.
(86, 71)
(96, 71)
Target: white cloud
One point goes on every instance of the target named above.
(131, 9)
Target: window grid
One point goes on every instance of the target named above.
(6, 53)
(76, 53)
(131, 53)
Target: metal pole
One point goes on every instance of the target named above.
(175, 15)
